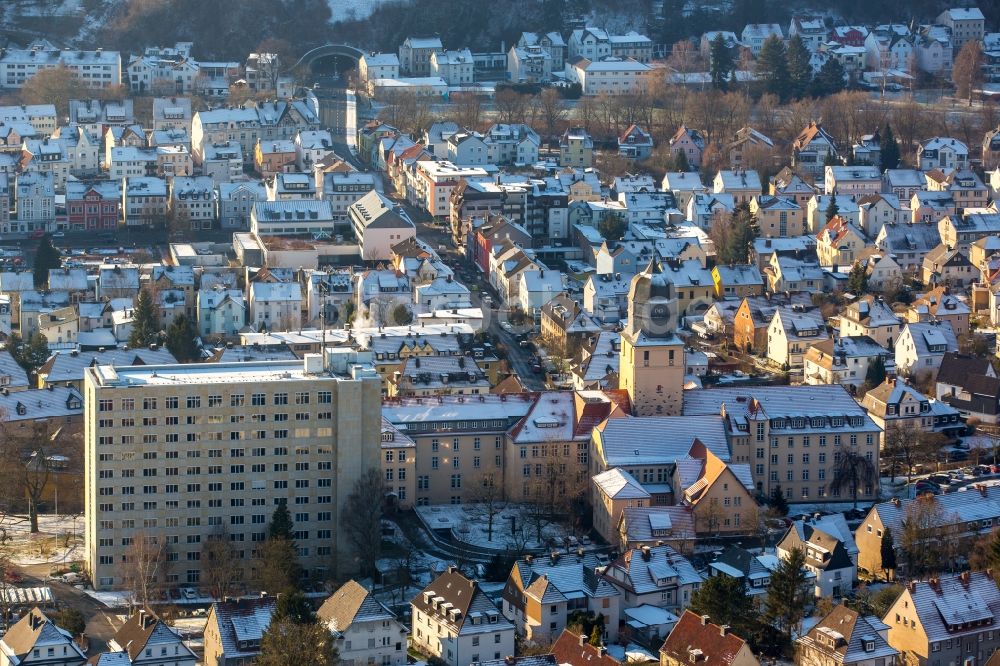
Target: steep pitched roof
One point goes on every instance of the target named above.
(349, 604)
(574, 650)
(717, 646)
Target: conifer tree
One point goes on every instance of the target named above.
(799, 69)
(772, 67)
(144, 328)
(722, 62)
(890, 149)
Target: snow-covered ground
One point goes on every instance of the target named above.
(59, 540)
(468, 523)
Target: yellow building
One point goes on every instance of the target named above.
(651, 369)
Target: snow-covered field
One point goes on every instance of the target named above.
(468, 523)
(59, 540)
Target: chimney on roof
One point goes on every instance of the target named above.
(582, 639)
(724, 630)
(704, 620)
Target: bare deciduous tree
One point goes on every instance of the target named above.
(361, 519)
(221, 568)
(487, 497)
(146, 565)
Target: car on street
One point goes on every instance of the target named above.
(58, 234)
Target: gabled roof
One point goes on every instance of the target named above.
(618, 484)
(649, 569)
(574, 650)
(34, 630)
(241, 624)
(143, 630)
(349, 604)
(716, 646)
(848, 637)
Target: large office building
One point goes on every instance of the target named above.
(183, 452)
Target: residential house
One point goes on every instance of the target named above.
(942, 305)
(552, 42)
(367, 632)
(93, 206)
(897, 404)
(656, 576)
(811, 149)
(961, 232)
(144, 202)
(455, 67)
(34, 196)
(753, 319)
(172, 113)
(904, 183)
(684, 185)
(454, 619)
(753, 570)
(82, 151)
(146, 639)
(967, 24)
(816, 208)
(871, 316)
(948, 618)
(575, 650)
(636, 143)
(378, 66)
(720, 494)
(743, 185)
(614, 491)
(747, 145)
(844, 361)
(35, 639)
(826, 543)
(221, 312)
(415, 55)
(942, 153)
(797, 416)
(844, 636)
(737, 281)
(234, 630)
(222, 161)
(530, 64)
(236, 202)
(856, 181)
(542, 592)
(790, 185)
(877, 210)
(777, 216)
(812, 31)
(691, 143)
(611, 76)
(868, 150)
(921, 347)
(275, 305)
(971, 386)
(695, 639)
(193, 202)
(964, 185)
(755, 34)
(790, 335)
(948, 267)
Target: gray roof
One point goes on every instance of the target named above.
(70, 366)
(943, 607)
(12, 375)
(664, 563)
(660, 440)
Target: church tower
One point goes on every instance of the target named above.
(652, 366)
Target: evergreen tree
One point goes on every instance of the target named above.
(829, 79)
(890, 149)
(857, 280)
(681, 162)
(744, 232)
(832, 209)
(46, 257)
(722, 62)
(772, 67)
(281, 525)
(181, 340)
(674, 22)
(726, 601)
(887, 549)
(595, 636)
(144, 328)
(787, 595)
(32, 354)
(799, 69)
(876, 372)
(294, 606)
(777, 501)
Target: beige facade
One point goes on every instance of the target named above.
(171, 441)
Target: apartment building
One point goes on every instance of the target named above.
(454, 619)
(96, 69)
(131, 412)
(792, 436)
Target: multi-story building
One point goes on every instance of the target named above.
(455, 67)
(342, 189)
(695, 640)
(378, 224)
(942, 153)
(611, 76)
(46, 156)
(378, 66)
(792, 437)
(193, 202)
(415, 55)
(35, 202)
(967, 24)
(144, 202)
(236, 202)
(145, 639)
(92, 206)
(454, 619)
(222, 162)
(131, 411)
(96, 69)
(576, 148)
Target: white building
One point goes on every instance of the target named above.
(96, 69)
(453, 619)
(366, 631)
(275, 305)
(221, 312)
(379, 224)
(455, 67)
(193, 202)
(612, 76)
(378, 66)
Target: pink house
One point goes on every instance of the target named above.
(691, 143)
